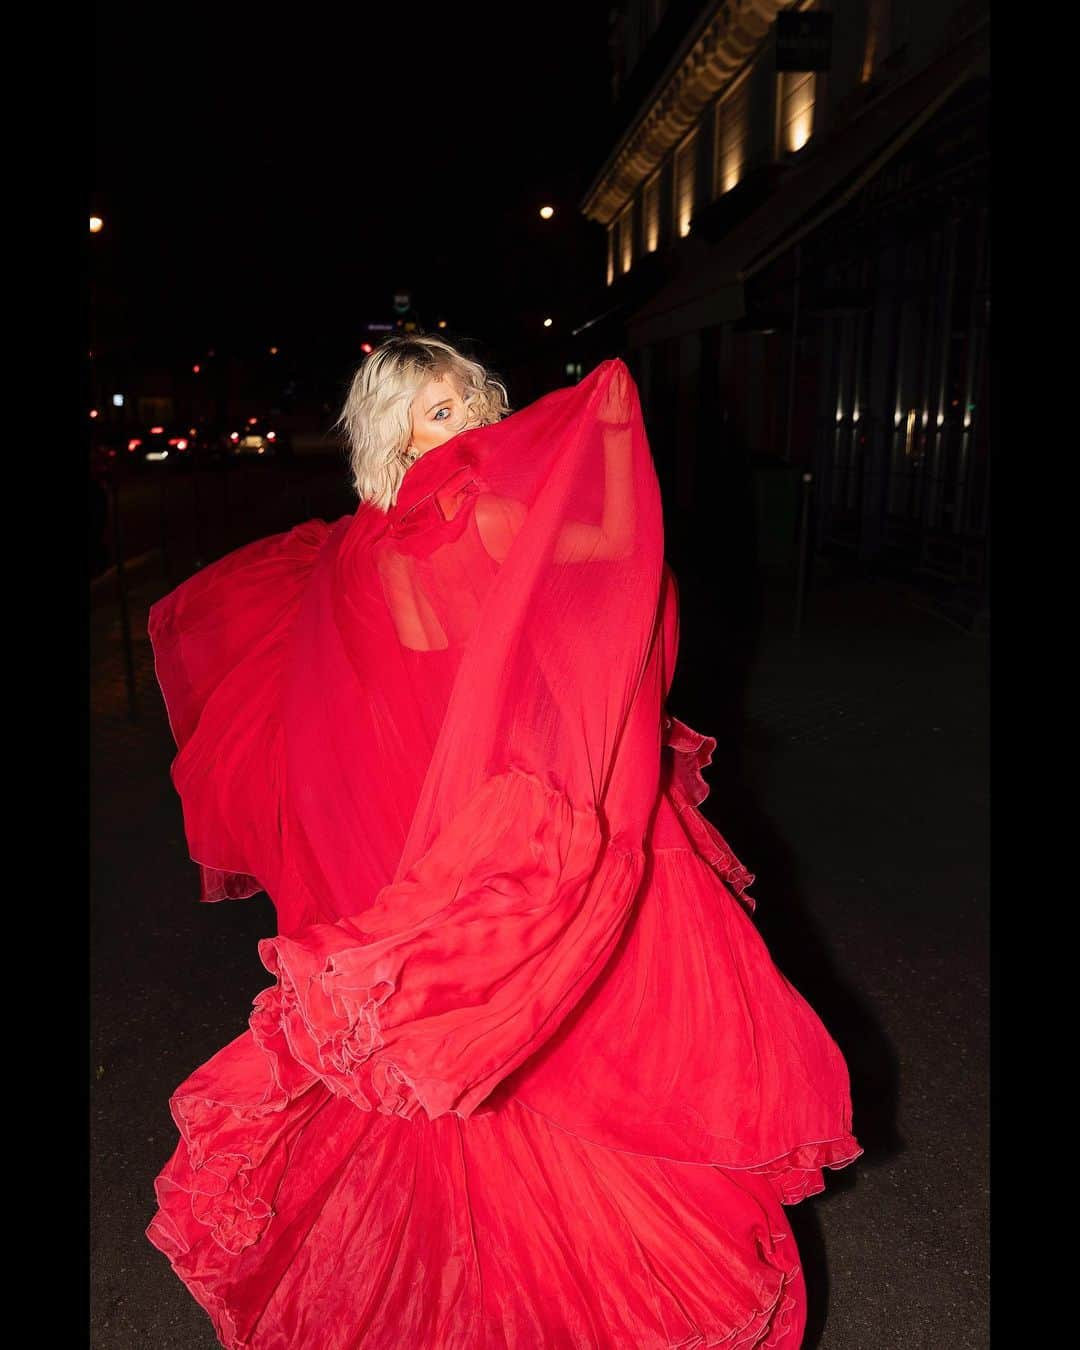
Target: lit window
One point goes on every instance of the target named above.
(626, 239)
(732, 117)
(650, 202)
(796, 94)
(684, 183)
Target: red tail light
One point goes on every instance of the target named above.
(156, 431)
(134, 445)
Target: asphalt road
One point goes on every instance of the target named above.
(851, 777)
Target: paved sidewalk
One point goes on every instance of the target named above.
(851, 776)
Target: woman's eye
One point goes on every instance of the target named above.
(442, 414)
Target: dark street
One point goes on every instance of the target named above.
(745, 246)
(855, 787)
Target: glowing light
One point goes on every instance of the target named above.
(839, 415)
(93, 412)
(909, 436)
(797, 109)
(799, 133)
(273, 351)
(442, 323)
(234, 436)
(547, 323)
(685, 165)
(181, 444)
(252, 421)
(134, 444)
(271, 435)
(546, 212)
(651, 212)
(156, 431)
(855, 415)
(157, 454)
(941, 419)
(195, 369)
(967, 421)
(192, 431)
(898, 417)
(118, 400)
(925, 418)
(262, 449)
(366, 348)
(96, 224)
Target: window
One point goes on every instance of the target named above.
(684, 184)
(795, 106)
(626, 239)
(732, 131)
(650, 202)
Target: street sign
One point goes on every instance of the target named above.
(803, 40)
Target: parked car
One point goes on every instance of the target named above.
(160, 444)
(255, 436)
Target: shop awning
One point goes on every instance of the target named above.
(709, 288)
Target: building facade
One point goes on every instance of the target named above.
(798, 263)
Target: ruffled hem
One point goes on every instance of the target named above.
(516, 905)
(216, 884)
(691, 751)
(501, 1232)
(799, 1174)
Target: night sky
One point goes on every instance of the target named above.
(275, 179)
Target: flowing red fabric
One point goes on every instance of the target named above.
(526, 1076)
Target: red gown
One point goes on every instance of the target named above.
(526, 1076)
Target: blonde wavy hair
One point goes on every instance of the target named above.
(377, 417)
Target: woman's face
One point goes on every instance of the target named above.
(438, 413)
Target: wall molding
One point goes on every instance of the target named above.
(728, 40)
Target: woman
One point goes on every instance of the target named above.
(527, 1076)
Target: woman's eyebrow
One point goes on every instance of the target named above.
(437, 405)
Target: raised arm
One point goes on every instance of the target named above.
(498, 519)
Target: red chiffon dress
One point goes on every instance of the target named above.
(526, 1075)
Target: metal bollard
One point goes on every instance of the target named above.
(804, 553)
(122, 596)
